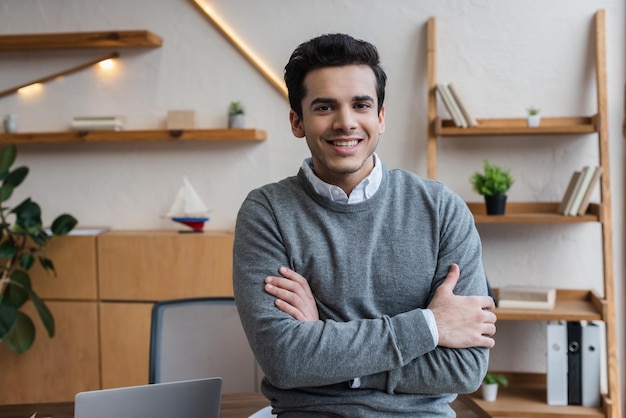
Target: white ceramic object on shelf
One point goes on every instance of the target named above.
(490, 391)
(10, 123)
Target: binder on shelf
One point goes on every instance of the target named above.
(471, 121)
(574, 363)
(449, 103)
(556, 374)
(591, 363)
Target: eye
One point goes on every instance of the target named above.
(323, 108)
(362, 105)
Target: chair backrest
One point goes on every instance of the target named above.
(201, 337)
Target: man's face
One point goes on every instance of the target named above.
(341, 123)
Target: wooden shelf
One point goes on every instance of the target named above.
(529, 400)
(571, 125)
(531, 212)
(571, 305)
(76, 40)
(135, 136)
(526, 397)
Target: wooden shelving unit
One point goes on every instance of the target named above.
(526, 394)
(186, 135)
(526, 397)
(78, 40)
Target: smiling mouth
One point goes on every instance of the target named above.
(345, 144)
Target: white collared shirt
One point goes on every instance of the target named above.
(363, 191)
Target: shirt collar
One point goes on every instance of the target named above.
(363, 191)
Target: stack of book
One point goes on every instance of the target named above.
(456, 108)
(97, 123)
(526, 297)
(576, 198)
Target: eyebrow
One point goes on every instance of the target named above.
(328, 100)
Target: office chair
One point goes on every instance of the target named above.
(202, 337)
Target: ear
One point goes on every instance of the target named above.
(296, 125)
(381, 120)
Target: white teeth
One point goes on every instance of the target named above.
(345, 143)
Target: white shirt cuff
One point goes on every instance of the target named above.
(432, 324)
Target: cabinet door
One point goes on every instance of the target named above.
(125, 343)
(54, 369)
(159, 265)
(74, 259)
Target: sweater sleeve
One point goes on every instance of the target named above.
(296, 354)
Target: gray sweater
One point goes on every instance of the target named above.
(372, 266)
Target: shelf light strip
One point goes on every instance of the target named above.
(51, 77)
(230, 35)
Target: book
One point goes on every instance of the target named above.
(597, 172)
(471, 121)
(449, 103)
(577, 186)
(94, 123)
(569, 191)
(526, 297)
(586, 175)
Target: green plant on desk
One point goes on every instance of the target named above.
(22, 239)
(491, 378)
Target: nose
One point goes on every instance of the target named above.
(344, 120)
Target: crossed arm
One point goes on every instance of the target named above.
(462, 321)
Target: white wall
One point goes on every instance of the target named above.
(503, 56)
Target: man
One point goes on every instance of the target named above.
(344, 274)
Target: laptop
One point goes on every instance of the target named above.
(198, 398)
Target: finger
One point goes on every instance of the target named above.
(296, 277)
(289, 309)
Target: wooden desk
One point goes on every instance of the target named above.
(239, 405)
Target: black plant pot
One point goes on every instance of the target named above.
(495, 204)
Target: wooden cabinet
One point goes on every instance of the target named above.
(102, 301)
(526, 396)
(157, 265)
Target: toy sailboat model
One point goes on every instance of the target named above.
(188, 208)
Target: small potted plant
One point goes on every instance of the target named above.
(236, 118)
(534, 118)
(493, 184)
(491, 381)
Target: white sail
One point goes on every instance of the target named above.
(187, 203)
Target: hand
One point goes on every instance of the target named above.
(293, 295)
(462, 321)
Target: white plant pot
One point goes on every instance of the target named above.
(534, 120)
(10, 123)
(490, 391)
(236, 121)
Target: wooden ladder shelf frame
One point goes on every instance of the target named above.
(597, 124)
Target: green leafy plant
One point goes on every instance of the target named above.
(235, 108)
(496, 378)
(21, 245)
(493, 181)
(533, 111)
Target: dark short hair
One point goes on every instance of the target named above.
(331, 50)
